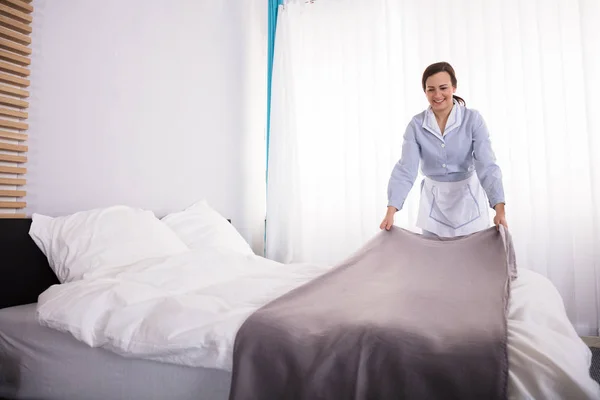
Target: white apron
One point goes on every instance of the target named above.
(451, 209)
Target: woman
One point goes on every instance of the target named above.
(461, 175)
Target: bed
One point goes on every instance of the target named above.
(547, 358)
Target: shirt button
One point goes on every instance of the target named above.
(443, 145)
(444, 165)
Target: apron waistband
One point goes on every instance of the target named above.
(449, 184)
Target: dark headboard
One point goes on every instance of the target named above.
(24, 270)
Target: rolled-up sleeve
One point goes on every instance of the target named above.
(405, 171)
(488, 171)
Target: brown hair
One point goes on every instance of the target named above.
(442, 67)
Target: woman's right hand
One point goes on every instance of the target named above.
(388, 221)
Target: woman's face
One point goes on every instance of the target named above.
(439, 91)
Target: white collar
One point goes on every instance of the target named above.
(454, 120)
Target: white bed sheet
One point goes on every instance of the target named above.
(186, 309)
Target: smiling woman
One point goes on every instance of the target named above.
(461, 174)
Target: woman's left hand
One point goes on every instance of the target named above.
(500, 217)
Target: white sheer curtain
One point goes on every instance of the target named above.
(346, 81)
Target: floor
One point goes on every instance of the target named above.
(592, 341)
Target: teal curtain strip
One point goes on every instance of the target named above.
(273, 11)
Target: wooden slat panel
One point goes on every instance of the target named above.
(14, 80)
(13, 135)
(12, 102)
(15, 14)
(18, 5)
(13, 193)
(15, 20)
(13, 69)
(13, 204)
(12, 215)
(15, 47)
(14, 36)
(13, 91)
(19, 148)
(7, 112)
(13, 181)
(4, 123)
(17, 26)
(12, 170)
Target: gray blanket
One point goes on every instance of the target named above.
(405, 317)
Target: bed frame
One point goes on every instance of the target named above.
(24, 270)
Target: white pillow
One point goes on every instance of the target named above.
(103, 237)
(201, 226)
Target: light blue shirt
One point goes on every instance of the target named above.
(465, 147)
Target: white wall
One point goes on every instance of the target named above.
(149, 103)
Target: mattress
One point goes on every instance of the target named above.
(41, 363)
